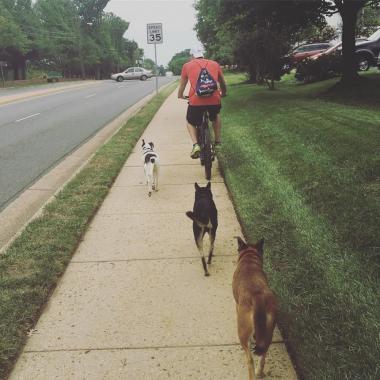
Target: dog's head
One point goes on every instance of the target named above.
(257, 248)
(147, 146)
(201, 192)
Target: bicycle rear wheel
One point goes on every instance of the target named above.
(207, 152)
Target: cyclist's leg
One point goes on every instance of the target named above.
(192, 132)
(194, 117)
(216, 122)
(217, 125)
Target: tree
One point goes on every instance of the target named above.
(17, 23)
(74, 36)
(260, 33)
(349, 10)
(149, 64)
(216, 40)
(314, 33)
(161, 71)
(178, 60)
(368, 21)
(60, 41)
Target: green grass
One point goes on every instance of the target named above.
(31, 267)
(302, 165)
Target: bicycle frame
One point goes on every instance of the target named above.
(204, 141)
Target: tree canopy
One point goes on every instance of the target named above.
(258, 34)
(73, 36)
(178, 60)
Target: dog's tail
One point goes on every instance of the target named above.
(198, 220)
(264, 325)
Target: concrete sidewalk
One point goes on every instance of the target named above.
(134, 303)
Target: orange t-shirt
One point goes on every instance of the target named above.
(191, 70)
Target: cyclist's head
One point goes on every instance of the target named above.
(197, 53)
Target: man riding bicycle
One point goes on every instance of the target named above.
(199, 104)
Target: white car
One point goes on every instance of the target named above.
(133, 73)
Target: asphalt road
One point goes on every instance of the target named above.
(36, 134)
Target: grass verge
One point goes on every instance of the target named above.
(31, 267)
(302, 166)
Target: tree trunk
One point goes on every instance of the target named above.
(349, 15)
(82, 68)
(23, 68)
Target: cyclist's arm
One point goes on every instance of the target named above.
(182, 87)
(222, 83)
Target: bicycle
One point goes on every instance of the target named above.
(204, 140)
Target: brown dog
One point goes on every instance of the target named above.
(255, 303)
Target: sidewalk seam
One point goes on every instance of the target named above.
(146, 259)
(141, 347)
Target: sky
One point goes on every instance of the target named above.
(177, 18)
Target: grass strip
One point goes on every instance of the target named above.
(31, 267)
(303, 170)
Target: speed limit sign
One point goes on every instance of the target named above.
(154, 33)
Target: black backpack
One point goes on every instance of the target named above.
(206, 84)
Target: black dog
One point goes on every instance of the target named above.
(205, 219)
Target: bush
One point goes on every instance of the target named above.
(326, 66)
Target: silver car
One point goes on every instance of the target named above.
(133, 73)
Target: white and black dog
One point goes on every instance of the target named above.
(151, 167)
(205, 219)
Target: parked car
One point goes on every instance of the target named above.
(320, 66)
(368, 51)
(335, 49)
(308, 50)
(132, 73)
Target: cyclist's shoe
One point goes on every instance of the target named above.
(216, 149)
(196, 151)
(217, 146)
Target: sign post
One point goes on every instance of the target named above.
(154, 36)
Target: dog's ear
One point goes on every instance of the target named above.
(208, 187)
(241, 243)
(197, 187)
(143, 143)
(260, 246)
(151, 145)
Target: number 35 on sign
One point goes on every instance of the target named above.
(154, 33)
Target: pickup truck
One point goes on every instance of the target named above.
(368, 51)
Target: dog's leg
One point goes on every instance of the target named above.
(156, 173)
(260, 367)
(199, 234)
(149, 186)
(211, 235)
(245, 329)
(149, 177)
(146, 174)
(270, 321)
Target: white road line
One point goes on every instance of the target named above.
(27, 117)
(90, 96)
(120, 86)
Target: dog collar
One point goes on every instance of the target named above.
(250, 250)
